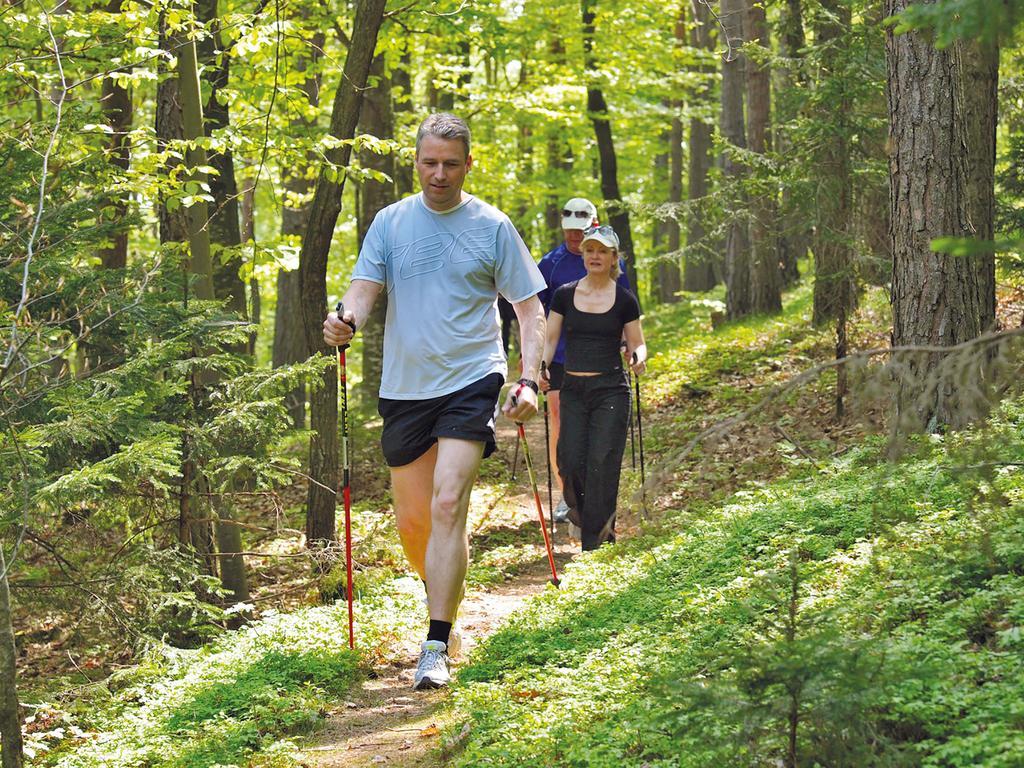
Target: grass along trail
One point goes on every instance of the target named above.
(386, 722)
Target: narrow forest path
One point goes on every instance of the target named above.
(386, 722)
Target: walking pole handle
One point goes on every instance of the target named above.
(340, 310)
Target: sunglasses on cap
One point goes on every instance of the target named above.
(603, 232)
(577, 214)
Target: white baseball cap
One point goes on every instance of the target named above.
(578, 213)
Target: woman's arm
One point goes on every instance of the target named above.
(554, 333)
(635, 346)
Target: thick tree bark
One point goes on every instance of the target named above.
(834, 281)
(323, 215)
(289, 338)
(738, 298)
(765, 277)
(794, 231)
(597, 108)
(11, 748)
(699, 270)
(377, 119)
(938, 299)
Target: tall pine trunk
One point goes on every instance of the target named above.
(938, 299)
(834, 282)
(316, 244)
(765, 277)
(699, 272)
(597, 108)
(738, 298)
(669, 275)
(794, 229)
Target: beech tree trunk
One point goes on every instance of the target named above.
(765, 278)
(323, 215)
(597, 108)
(377, 119)
(938, 299)
(738, 297)
(699, 269)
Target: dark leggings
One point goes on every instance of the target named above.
(595, 415)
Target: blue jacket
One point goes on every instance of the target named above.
(562, 266)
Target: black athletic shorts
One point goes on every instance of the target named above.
(556, 375)
(412, 426)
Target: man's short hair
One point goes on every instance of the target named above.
(444, 125)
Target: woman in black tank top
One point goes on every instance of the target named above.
(596, 313)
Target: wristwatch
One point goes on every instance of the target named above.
(524, 382)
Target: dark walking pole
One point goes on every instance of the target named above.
(346, 489)
(547, 448)
(632, 424)
(640, 429)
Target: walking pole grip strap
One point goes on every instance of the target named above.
(340, 310)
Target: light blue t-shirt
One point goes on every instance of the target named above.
(443, 273)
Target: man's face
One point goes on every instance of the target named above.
(442, 165)
(574, 237)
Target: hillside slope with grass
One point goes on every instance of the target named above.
(792, 596)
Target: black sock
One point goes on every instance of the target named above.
(439, 630)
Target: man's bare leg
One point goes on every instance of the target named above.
(447, 554)
(412, 489)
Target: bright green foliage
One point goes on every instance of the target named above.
(885, 598)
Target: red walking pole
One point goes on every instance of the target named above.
(536, 497)
(346, 488)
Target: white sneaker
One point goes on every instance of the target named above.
(433, 669)
(561, 513)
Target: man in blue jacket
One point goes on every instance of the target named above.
(564, 265)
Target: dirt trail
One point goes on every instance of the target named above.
(386, 722)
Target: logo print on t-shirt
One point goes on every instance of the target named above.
(429, 254)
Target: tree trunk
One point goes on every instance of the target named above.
(765, 278)
(794, 232)
(225, 231)
(117, 113)
(377, 119)
(559, 161)
(937, 299)
(323, 215)
(597, 108)
(833, 254)
(172, 224)
(738, 298)
(699, 269)
(669, 275)
(11, 748)
(289, 338)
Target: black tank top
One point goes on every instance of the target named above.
(592, 338)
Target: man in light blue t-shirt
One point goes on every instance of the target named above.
(443, 257)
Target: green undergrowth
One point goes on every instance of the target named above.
(867, 614)
(237, 701)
